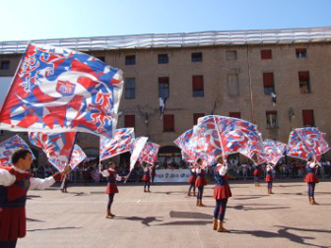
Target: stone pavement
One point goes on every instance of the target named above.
(167, 217)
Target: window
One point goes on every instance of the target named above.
(233, 84)
(102, 58)
(301, 52)
(129, 121)
(231, 55)
(130, 60)
(268, 83)
(164, 87)
(308, 118)
(196, 116)
(163, 59)
(235, 114)
(196, 57)
(271, 119)
(168, 123)
(266, 54)
(304, 82)
(130, 88)
(4, 65)
(197, 85)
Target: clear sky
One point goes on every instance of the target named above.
(44, 19)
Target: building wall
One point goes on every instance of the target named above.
(215, 68)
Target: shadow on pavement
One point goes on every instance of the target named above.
(34, 220)
(190, 215)
(284, 233)
(54, 228)
(145, 221)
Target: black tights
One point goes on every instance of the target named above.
(110, 200)
(220, 208)
(8, 244)
(147, 184)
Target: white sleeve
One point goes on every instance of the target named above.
(197, 171)
(6, 179)
(223, 170)
(119, 178)
(312, 165)
(105, 173)
(145, 170)
(38, 183)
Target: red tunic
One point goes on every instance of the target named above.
(311, 178)
(222, 189)
(201, 179)
(111, 186)
(146, 176)
(12, 206)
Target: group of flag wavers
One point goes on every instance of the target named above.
(215, 137)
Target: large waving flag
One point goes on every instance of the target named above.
(307, 142)
(274, 150)
(186, 142)
(149, 153)
(9, 146)
(77, 156)
(60, 90)
(220, 135)
(136, 148)
(120, 143)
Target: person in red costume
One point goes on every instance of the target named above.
(111, 189)
(269, 178)
(311, 179)
(222, 193)
(15, 181)
(200, 181)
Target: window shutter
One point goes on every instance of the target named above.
(268, 79)
(168, 123)
(196, 116)
(197, 83)
(304, 75)
(308, 117)
(129, 121)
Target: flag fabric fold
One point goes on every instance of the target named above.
(307, 142)
(60, 90)
(120, 143)
(149, 153)
(9, 146)
(274, 150)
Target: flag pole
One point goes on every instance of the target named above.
(64, 176)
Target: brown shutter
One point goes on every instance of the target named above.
(197, 82)
(268, 79)
(266, 54)
(308, 117)
(168, 123)
(196, 116)
(235, 114)
(129, 121)
(304, 75)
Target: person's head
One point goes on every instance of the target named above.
(22, 159)
(311, 159)
(199, 161)
(112, 165)
(220, 160)
(148, 165)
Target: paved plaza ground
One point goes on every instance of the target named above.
(167, 217)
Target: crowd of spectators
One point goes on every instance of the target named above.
(88, 171)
